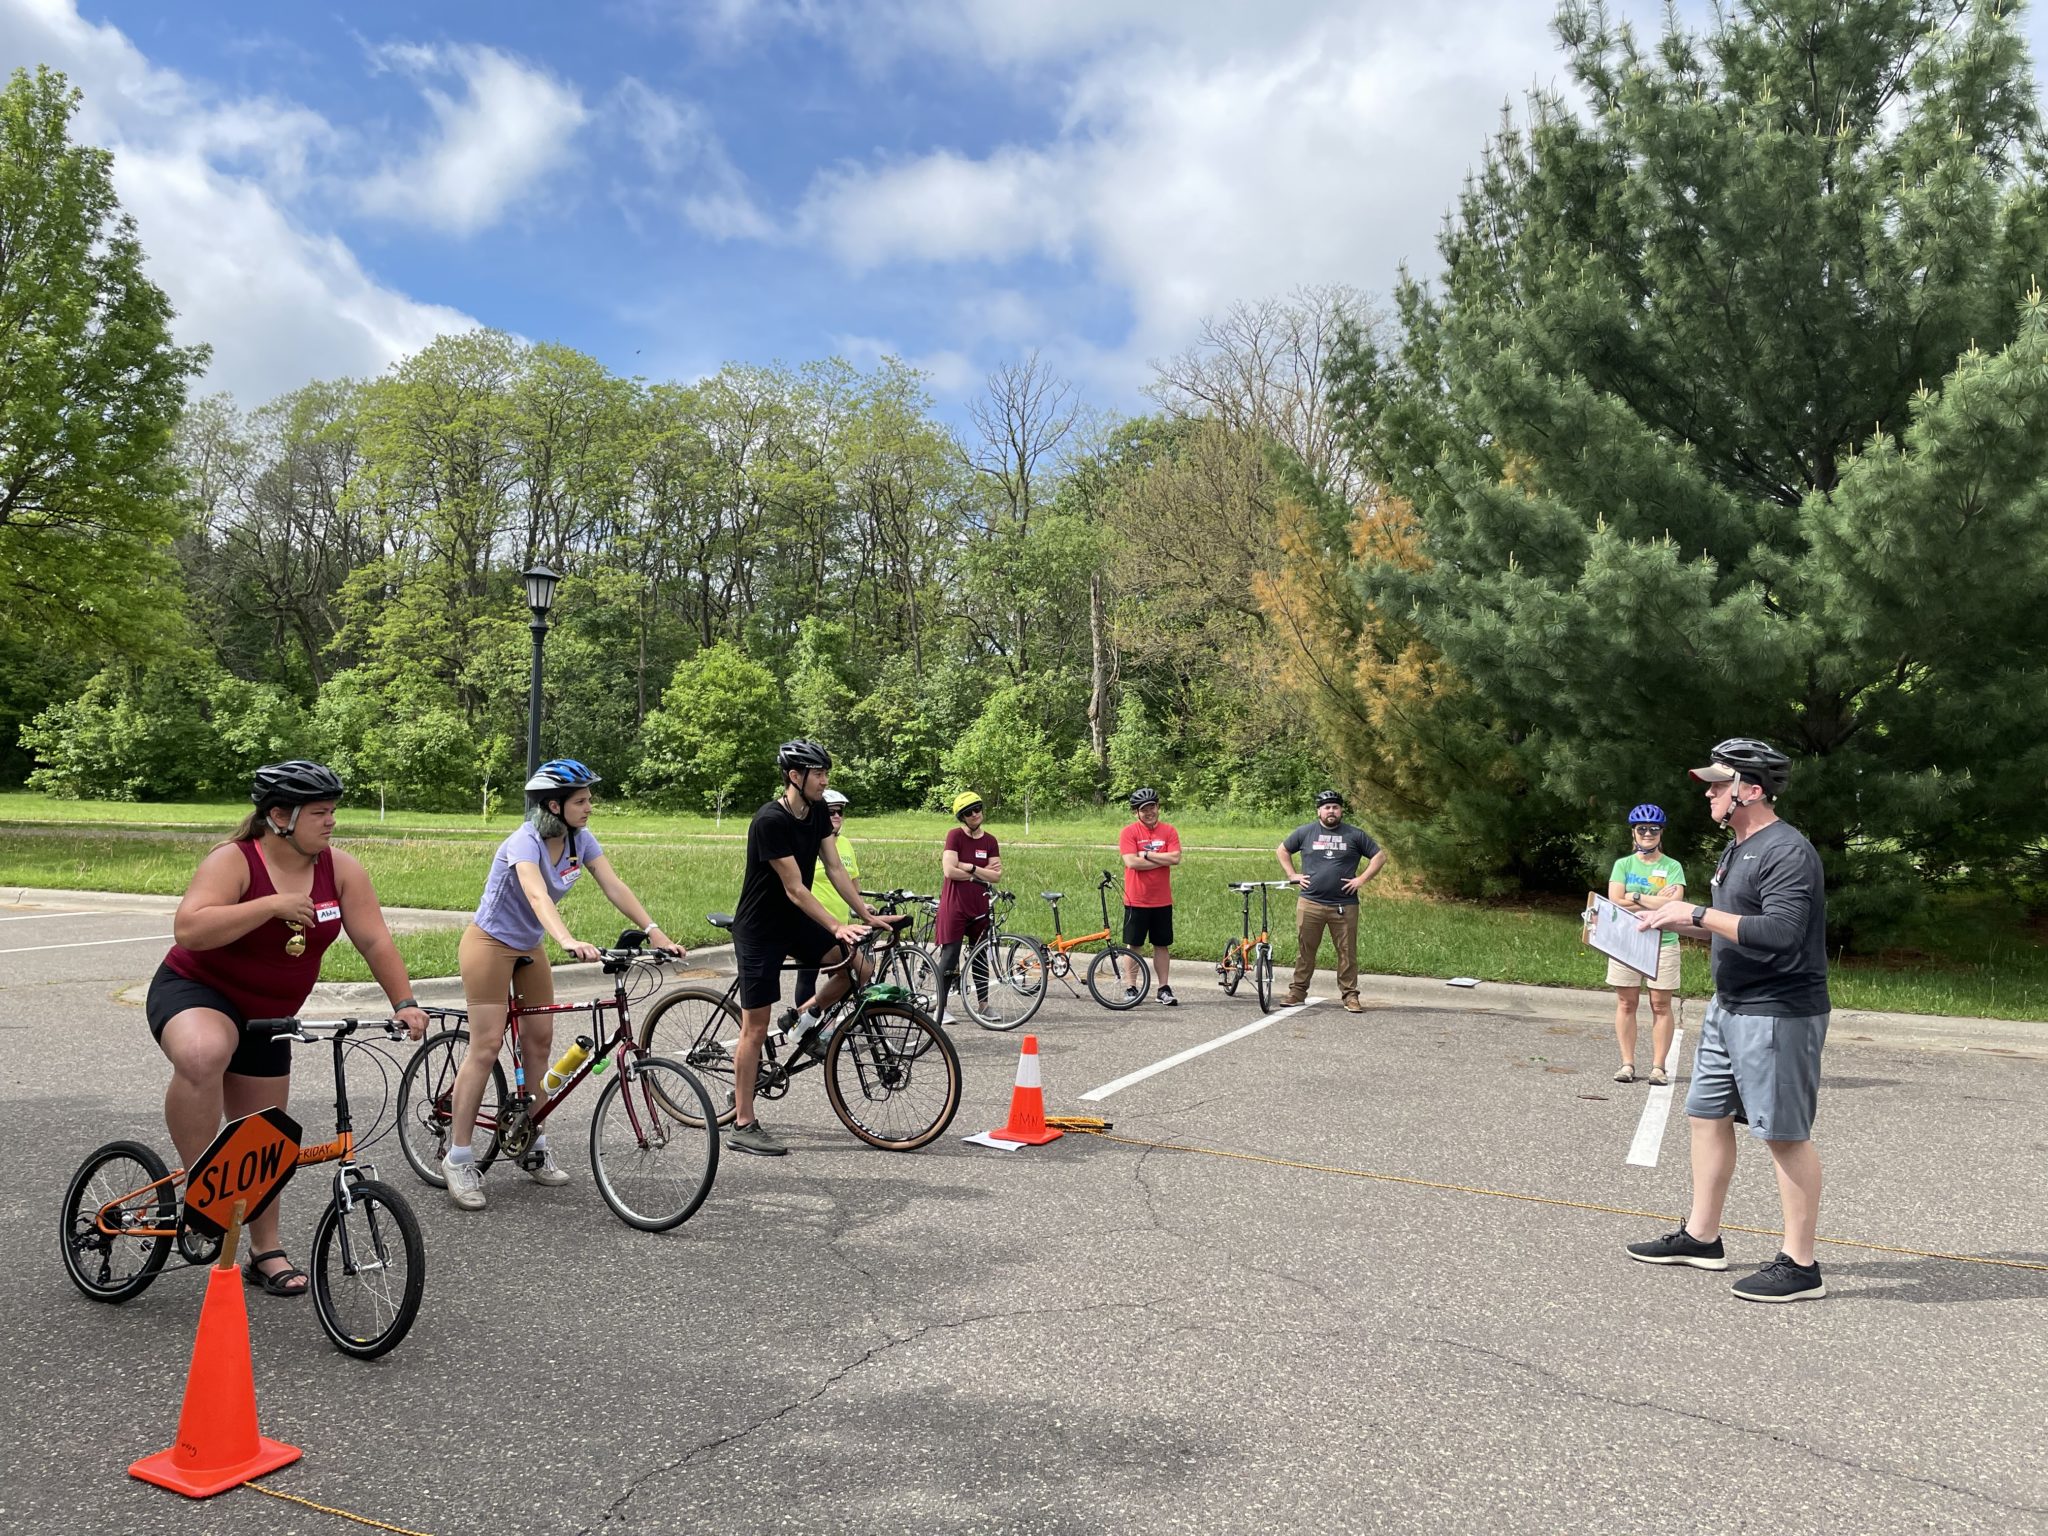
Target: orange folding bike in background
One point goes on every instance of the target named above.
(1129, 978)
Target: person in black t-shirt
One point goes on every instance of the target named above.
(778, 917)
(1758, 1058)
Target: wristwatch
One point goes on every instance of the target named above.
(1699, 917)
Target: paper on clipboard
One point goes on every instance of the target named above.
(1613, 932)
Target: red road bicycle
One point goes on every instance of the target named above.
(653, 1147)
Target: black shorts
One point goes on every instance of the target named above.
(760, 964)
(1148, 924)
(171, 994)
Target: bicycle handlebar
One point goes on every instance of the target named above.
(1241, 886)
(311, 1031)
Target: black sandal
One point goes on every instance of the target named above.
(277, 1282)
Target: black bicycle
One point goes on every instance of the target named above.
(892, 1075)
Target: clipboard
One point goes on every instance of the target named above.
(1612, 930)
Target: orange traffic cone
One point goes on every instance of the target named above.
(1027, 1103)
(218, 1447)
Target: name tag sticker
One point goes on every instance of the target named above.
(327, 912)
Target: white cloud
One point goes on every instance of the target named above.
(212, 183)
(1237, 159)
(949, 371)
(687, 163)
(513, 127)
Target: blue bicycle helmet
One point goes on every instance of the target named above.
(1646, 816)
(561, 773)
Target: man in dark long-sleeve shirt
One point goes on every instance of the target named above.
(1758, 1058)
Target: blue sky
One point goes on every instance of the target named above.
(671, 184)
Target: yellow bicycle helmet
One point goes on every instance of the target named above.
(964, 802)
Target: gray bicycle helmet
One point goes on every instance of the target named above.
(1140, 798)
(1328, 797)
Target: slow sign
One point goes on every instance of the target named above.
(251, 1159)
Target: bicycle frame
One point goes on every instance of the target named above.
(1061, 944)
(340, 1149)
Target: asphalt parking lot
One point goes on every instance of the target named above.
(1388, 1295)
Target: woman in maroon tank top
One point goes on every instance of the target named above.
(260, 912)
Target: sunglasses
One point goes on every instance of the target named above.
(1649, 831)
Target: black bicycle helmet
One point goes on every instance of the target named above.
(1745, 757)
(802, 756)
(297, 782)
(1140, 798)
(1328, 797)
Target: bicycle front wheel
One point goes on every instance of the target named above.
(893, 1077)
(1119, 978)
(653, 1144)
(426, 1106)
(131, 1184)
(369, 1270)
(1262, 977)
(697, 1026)
(1231, 970)
(1004, 980)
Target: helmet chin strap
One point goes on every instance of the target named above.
(289, 830)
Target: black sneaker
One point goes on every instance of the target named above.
(1782, 1280)
(1680, 1247)
(1166, 997)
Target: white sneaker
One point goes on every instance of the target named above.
(465, 1184)
(542, 1168)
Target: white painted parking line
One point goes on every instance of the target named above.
(1098, 1094)
(39, 917)
(140, 938)
(1642, 1152)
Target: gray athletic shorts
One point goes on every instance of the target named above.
(1759, 1068)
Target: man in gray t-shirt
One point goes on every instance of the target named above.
(1758, 1057)
(1331, 850)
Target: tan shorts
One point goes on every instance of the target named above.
(487, 966)
(1618, 975)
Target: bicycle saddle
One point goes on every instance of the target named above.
(522, 960)
(1053, 895)
(719, 919)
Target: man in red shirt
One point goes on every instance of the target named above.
(1151, 849)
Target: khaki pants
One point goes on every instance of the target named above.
(1311, 920)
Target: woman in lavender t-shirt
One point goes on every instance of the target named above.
(531, 872)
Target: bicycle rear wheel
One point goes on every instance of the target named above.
(893, 1077)
(369, 1270)
(1119, 985)
(653, 1161)
(1262, 977)
(426, 1100)
(133, 1179)
(696, 1026)
(1010, 969)
(1231, 968)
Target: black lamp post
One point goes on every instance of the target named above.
(540, 596)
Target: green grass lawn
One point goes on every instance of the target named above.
(1972, 955)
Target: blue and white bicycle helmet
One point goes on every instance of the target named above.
(1646, 816)
(561, 773)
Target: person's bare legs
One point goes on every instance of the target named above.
(746, 1061)
(199, 1042)
(1162, 959)
(242, 1096)
(1713, 1166)
(1662, 1022)
(1798, 1164)
(1625, 999)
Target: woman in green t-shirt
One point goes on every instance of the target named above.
(1642, 881)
